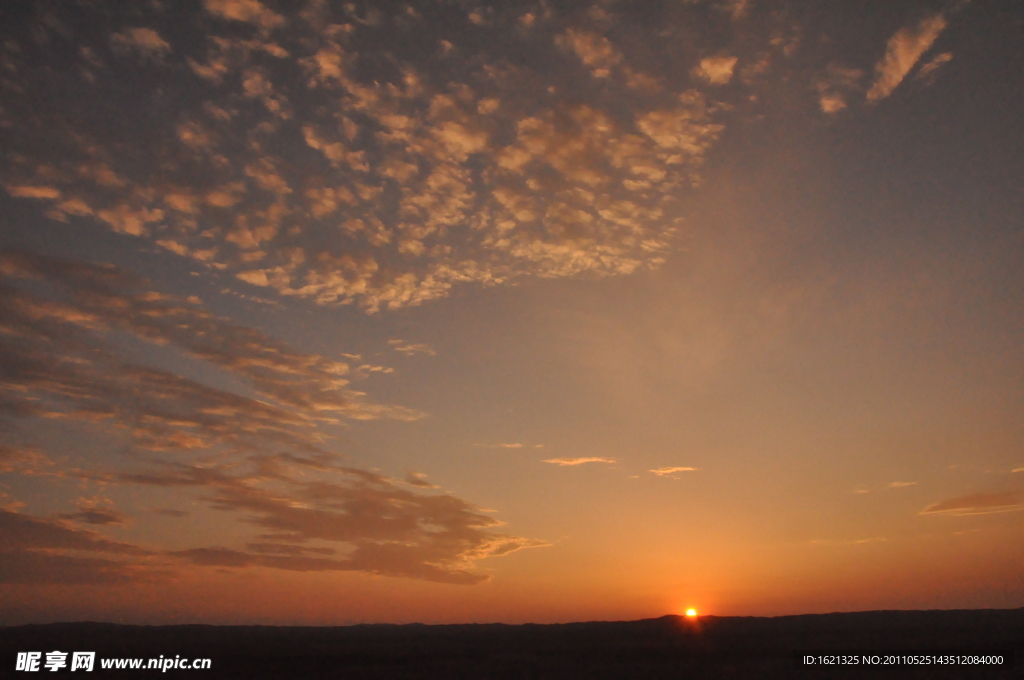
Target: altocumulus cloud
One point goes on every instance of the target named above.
(380, 155)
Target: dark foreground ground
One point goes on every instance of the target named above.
(669, 647)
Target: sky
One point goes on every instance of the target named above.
(325, 313)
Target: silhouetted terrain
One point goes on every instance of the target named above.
(669, 647)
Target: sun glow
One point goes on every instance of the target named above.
(691, 613)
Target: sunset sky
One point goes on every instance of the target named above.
(339, 312)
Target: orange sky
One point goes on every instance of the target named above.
(513, 312)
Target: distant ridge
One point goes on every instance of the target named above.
(666, 647)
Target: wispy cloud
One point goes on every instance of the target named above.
(1020, 469)
(98, 512)
(668, 471)
(858, 541)
(899, 485)
(418, 479)
(578, 461)
(409, 348)
(928, 72)
(902, 52)
(978, 504)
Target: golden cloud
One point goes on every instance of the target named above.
(578, 461)
(902, 52)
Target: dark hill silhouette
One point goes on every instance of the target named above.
(668, 647)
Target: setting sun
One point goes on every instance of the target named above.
(691, 613)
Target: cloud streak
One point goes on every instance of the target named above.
(564, 462)
(409, 348)
(978, 504)
(667, 471)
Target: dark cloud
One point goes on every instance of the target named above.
(33, 551)
(386, 529)
(381, 528)
(28, 567)
(34, 533)
(287, 549)
(97, 516)
(103, 298)
(57, 362)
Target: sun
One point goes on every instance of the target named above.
(691, 613)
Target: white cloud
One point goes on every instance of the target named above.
(408, 348)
